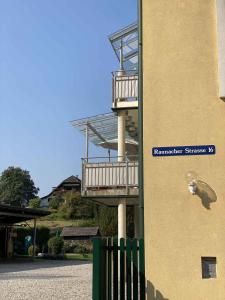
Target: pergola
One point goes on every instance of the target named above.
(10, 216)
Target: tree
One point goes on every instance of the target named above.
(107, 220)
(35, 202)
(16, 187)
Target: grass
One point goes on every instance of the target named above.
(78, 256)
(63, 223)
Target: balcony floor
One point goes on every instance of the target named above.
(112, 197)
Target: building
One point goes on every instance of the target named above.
(72, 183)
(183, 108)
(113, 180)
(178, 129)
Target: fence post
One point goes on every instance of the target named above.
(97, 269)
(135, 269)
(142, 269)
(122, 269)
(128, 268)
(109, 271)
(115, 269)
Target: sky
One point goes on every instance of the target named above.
(55, 66)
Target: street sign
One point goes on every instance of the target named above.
(184, 150)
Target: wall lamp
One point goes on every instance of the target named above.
(192, 179)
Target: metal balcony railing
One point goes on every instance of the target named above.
(98, 173)
(124, 86)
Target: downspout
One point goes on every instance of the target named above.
(140, 122)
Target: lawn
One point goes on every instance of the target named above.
(78, 256)
(63, 223)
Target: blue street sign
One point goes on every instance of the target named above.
(184, 150)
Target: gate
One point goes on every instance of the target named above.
(118, 269)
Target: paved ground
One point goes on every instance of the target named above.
(55, 280)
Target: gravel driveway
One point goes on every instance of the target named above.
(44, 279)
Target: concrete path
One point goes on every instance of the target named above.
(46, 279)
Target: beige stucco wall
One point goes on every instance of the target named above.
(182, 107)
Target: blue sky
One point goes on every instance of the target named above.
(55, 66)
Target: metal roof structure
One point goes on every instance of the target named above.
(102, 129)
(12, 215)
(127, 38)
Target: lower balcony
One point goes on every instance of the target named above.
(107, 181)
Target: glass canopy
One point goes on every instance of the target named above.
(127, 38)
(102, 129)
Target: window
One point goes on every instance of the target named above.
(208, 267)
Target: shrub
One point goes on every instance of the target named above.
(31, 248)
(55, 202)
(69, 247)
(35, 203)
(55, 245)
(42, 237)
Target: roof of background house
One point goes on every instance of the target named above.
(70, 180)
(79, 231)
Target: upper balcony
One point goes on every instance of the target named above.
(124, 90)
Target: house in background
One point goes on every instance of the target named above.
(72, 183)
(72, 233)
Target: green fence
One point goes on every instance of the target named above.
(118, 269)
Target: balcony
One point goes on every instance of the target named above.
(107, 180)
(124, 90)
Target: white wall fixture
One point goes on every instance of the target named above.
(192, 178)
(192, 187)
(221, 45)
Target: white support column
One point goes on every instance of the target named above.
(121, 135)
(87, 142)
(136, 222)
(121, 157)
(122, 222)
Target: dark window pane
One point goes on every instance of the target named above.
(208, 267)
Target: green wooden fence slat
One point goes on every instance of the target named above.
(104, 269)
(109, 288)
(97, 243)
(115, 269)
(128, 268)
(135, 269)
(122, 271)
(142, 269)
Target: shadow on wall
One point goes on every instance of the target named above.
(206, 194)
(152, 293)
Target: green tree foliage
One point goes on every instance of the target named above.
(55, 245)
(35, 202)
(74, 207)
(55, 202)
(108, 221)
(16, 187)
